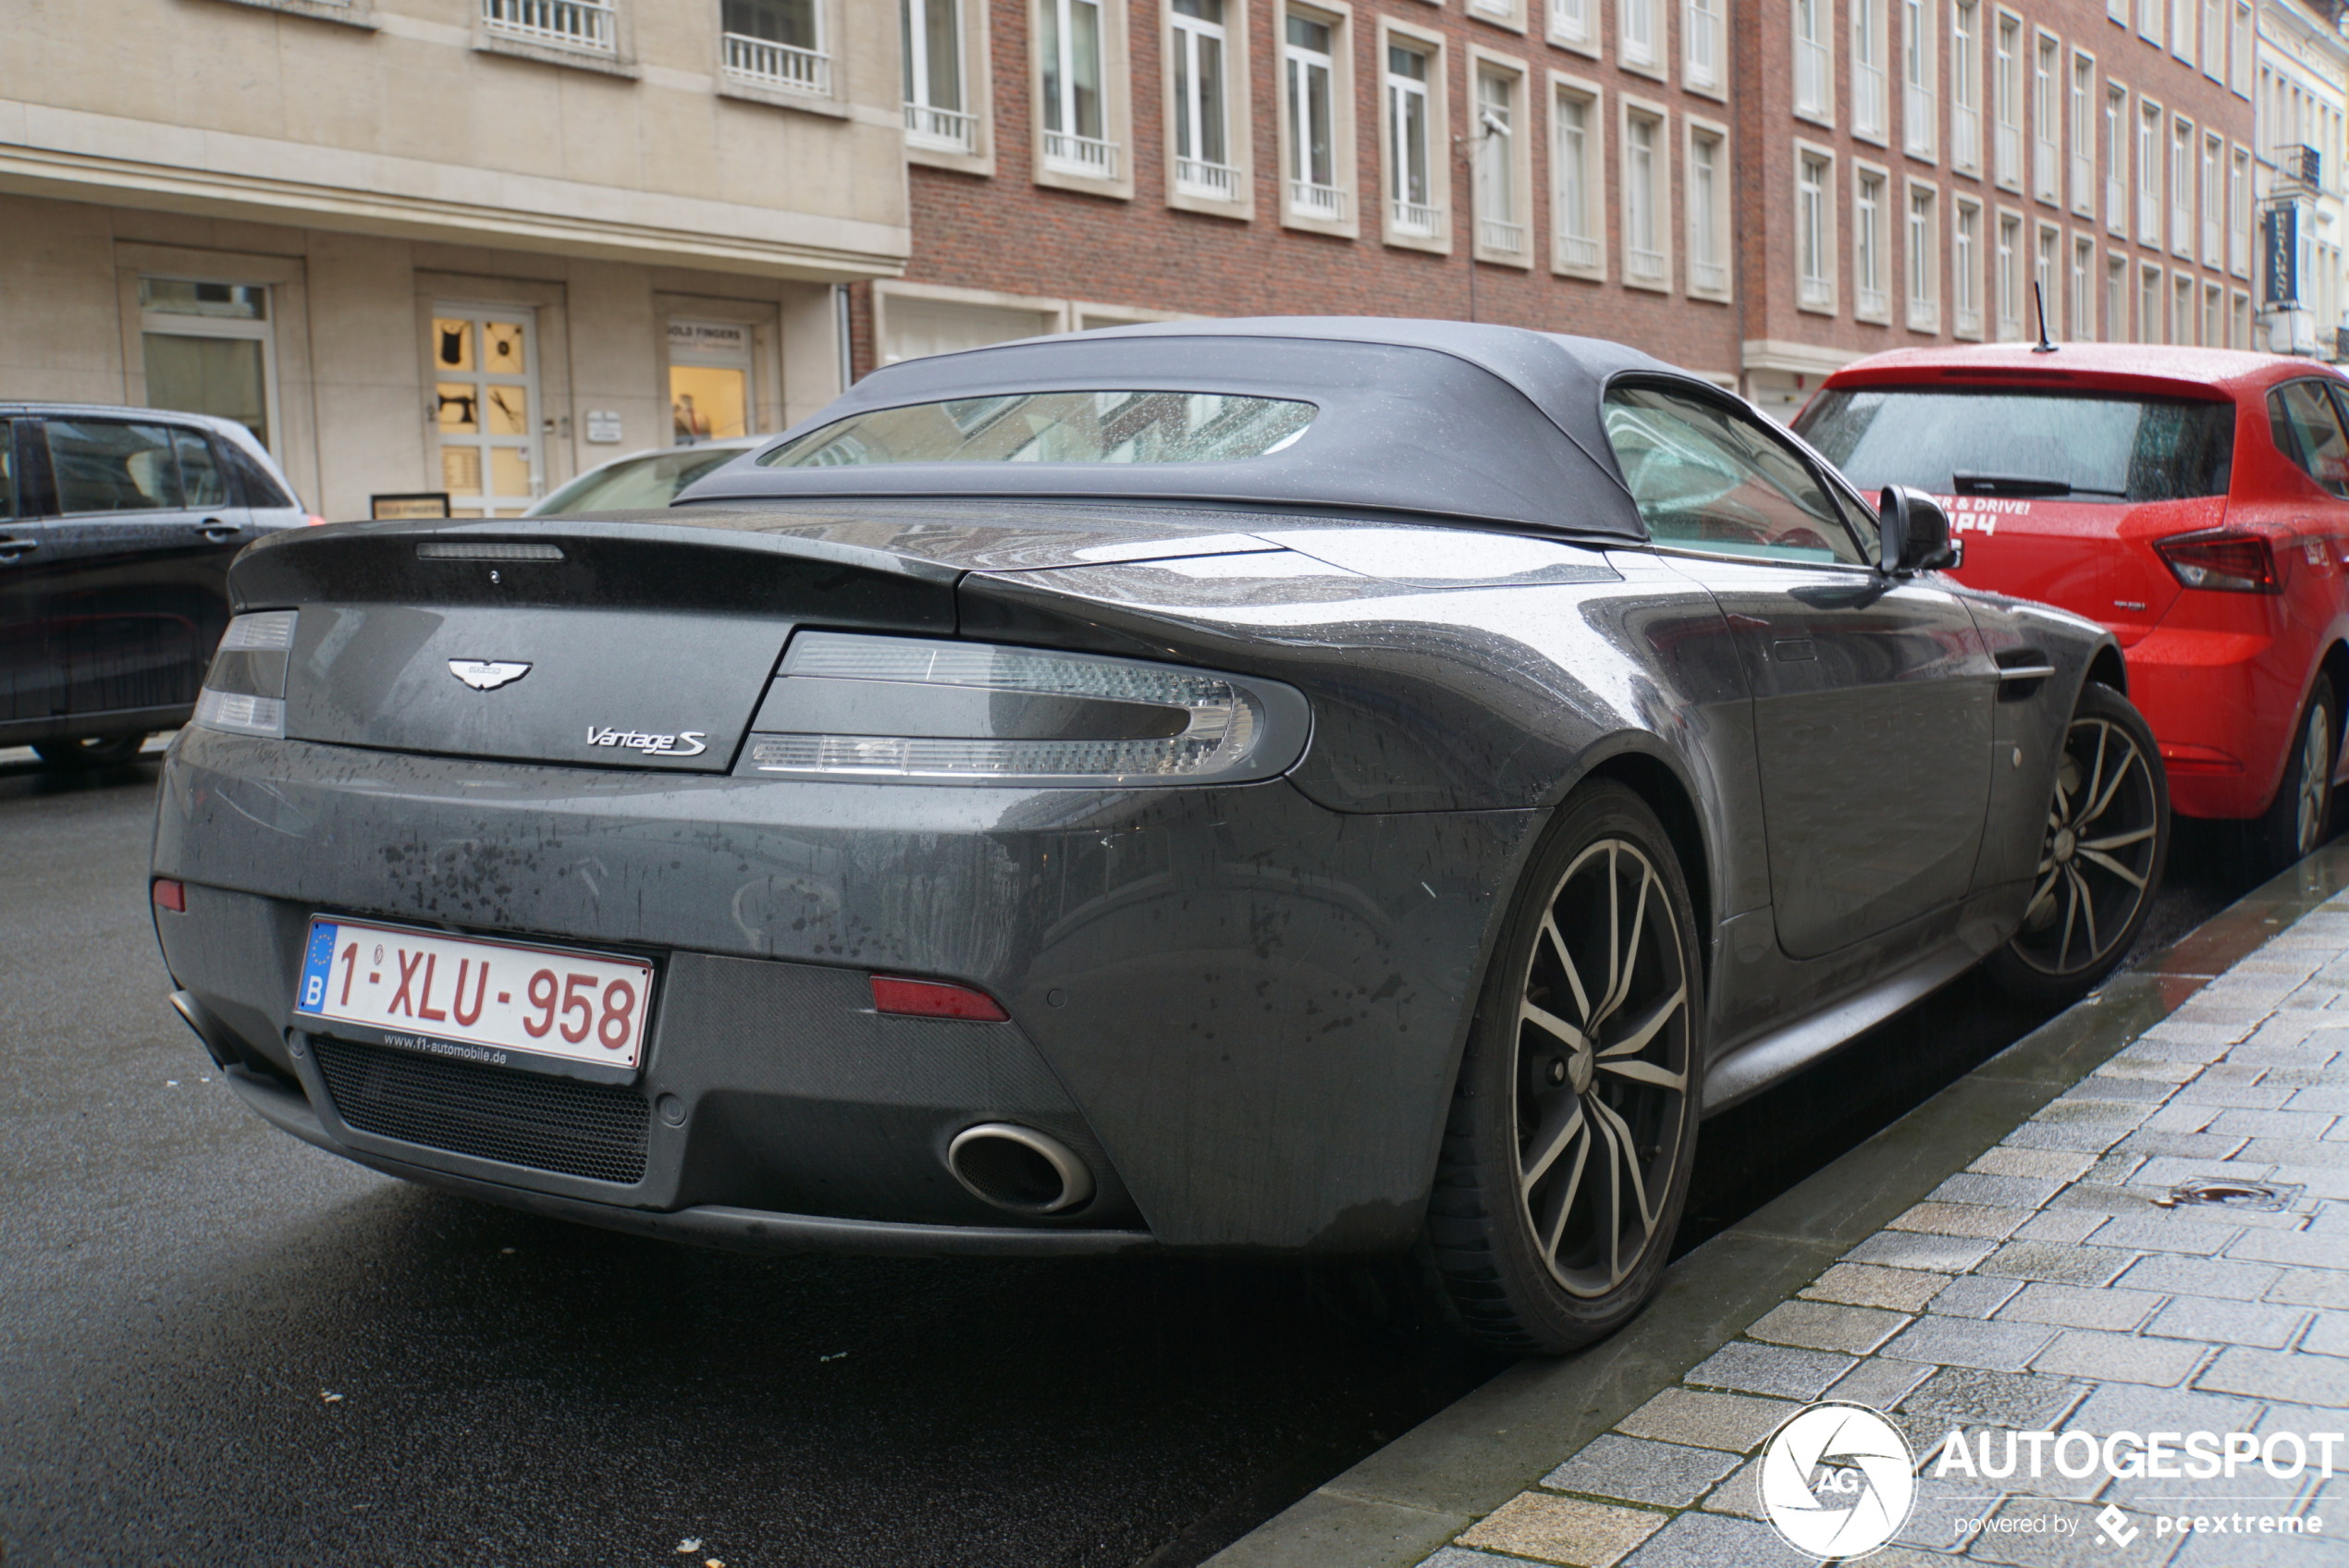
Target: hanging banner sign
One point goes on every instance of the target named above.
(2280, 234)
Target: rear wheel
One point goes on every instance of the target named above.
(2294, 821)
(2101, 855)
(90, 751)
(1566, 1158)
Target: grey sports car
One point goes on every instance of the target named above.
(1293, 786)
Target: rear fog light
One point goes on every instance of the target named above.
(170, 894)
(930, 998)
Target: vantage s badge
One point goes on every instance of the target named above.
(686, 743)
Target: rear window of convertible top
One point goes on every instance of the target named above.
(2083, 446)
(1056, 427)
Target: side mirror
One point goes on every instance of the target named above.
(1915, 531)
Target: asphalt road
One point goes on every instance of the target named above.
(219, 1346)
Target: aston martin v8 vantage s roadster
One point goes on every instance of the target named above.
(1279, 788)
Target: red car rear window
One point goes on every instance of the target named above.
(2081, 446)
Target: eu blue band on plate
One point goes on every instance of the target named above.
(317, 965)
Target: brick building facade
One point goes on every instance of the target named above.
(1757, 189)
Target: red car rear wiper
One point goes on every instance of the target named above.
(2020, 484)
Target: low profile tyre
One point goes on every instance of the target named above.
(2101, 855)
(2295, 820)
(1566, 1157)
(90, 751)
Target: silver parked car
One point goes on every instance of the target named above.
(1280, 788)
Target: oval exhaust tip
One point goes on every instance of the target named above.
(1019, 1169)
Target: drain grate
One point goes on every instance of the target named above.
(2262, 1196)
(597, 1131)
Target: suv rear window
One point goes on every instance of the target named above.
(1057, 427)
(2076, 446)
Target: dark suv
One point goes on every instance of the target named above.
(116, 526)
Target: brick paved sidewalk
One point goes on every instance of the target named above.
(2043, 1289)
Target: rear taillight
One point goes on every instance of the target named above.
(244, 692)
(933, 999)
(2224, 558)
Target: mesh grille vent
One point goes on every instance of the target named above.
(597, 1131)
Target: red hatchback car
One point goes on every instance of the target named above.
(2191, 499)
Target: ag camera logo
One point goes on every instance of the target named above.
(1838, 1481)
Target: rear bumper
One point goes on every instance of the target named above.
(1243, 1011)
(2223, 710)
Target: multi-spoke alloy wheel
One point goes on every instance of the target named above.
(1566, 1160)
(2295, 823)
(2101, 851)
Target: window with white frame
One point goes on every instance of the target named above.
(2006, 271)
(1309, 60)
(1574, 23)
(1965, 86)
(1868, 76)
(2214, 40)
(774, 44)
(2149, 20)
(590, 26)
(2213, 207)
(1925, 259)
(2181, 14)
(1917, 94)
(1704, 45)
(2148, 173)
(936, 116)
(2084, 290)
(2084, 134)
(1073, 54)
(2149, 305)
(2005, 102)
(1966, 270)
(1708, 193)
(2046, 277)
(1500, 226)
(2116, 300)
(2239, 56)
(1575, 122)
(2116, 157)
(1869, 299)
(2239, 325)
(2182, 168)
(1813, 231)
(209, 348)
(1640, 33)
(1814, 68)
(2239, 215)
(1645, 188)
(1411, 175)
(2047, 85)
(2214, 317)
(2117, 10)
(1202, 154)
(2182, 311)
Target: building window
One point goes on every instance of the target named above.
(1869, 301)
(1202, 155)
(1704, 45)
(2182, 30)
(2214, 317)
(2240, 55)
(1814, 72)
(2149, 20)
(2116, 158)
(2238, 334)
(2214, 208)
(1965, 271)
(1311, 64)
(1500, 226)
(2047, 81)
(2149, 305)
(1410, 180)
(1708, 188)
(2182, 312)
(2006, 103)
(1573, 23)
(2046, 284)
(2214, 48)
(1813, 231)
(1925, 262)
(1916, 77)
(2239, 215)
(935, 114)
(486, 395)
(1576, 162)
(2116, 300)
(1965, 86)
(2083, 135)
(589, 25)
(1868, 106)
(1641, 34)
(2182, 186)
(2084, 290)
(2117, 10)
(1075, 117)
(209, 348)
(778, 45)
(1645, 188)
(709, 397)
(2148, 173)
(2007, 268)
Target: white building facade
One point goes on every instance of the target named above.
(2301, 108)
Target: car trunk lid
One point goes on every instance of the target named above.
(2093, 558)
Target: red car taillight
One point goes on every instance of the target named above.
(2238, 562)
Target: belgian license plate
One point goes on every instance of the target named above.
(476, 1000)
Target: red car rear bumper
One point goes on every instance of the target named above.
(2223, 705)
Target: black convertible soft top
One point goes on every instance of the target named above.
(1426, 418)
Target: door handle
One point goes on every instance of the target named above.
(10, 549)
(214, 530)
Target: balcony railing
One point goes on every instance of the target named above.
(2010, 151)
(948, 131)
(1965, 136)
(1498, 234)
(1577, 250)
(2043, 170)
(1916, 120)
(1219, 182)
(1324, 202)
(1812, 74)
(780, 65)
(1814, 292)
(1088, 155)
(566, 24)
(1646, 267)
(1873, 304)
(1867, 98)
(1709, 277)
(1414, 217)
